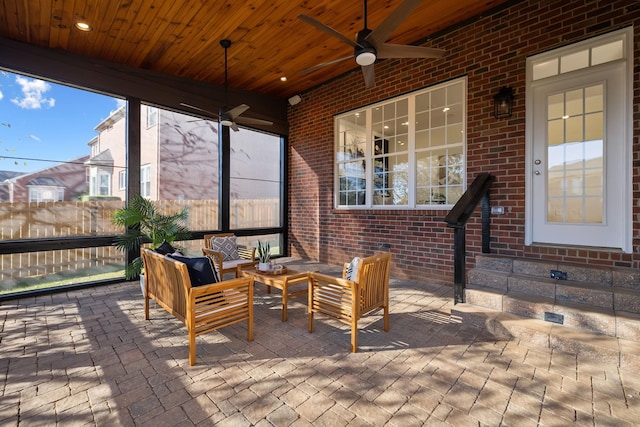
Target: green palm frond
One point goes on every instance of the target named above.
(144, 223)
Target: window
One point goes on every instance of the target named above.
(46, 194)
(145, 181)
(152, 116)
(104, 188)
(408, 152)
(122, 180)
(95, 146)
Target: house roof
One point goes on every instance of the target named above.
(103, 158)
(182, 38)
(8, 175)
(46, 181)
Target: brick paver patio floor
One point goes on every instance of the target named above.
(88, 357)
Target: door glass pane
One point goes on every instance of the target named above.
(575, 156)
(608, 52)
(545, 69)
(574, 61)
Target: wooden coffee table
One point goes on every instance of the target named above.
(281, 281)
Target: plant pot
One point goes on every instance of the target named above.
(264, 266)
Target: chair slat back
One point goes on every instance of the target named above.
(168, 281)
(373, 281)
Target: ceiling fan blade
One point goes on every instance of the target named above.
(386, 50)
(193, 107)
(236, 111)
(327, 29)
(383, 31)
(234, 126)
(324, 64)
(252, 121)
(369, 75)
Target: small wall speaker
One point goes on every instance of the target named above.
(294, 100)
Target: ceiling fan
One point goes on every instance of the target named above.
(370, 45)
(229, 117)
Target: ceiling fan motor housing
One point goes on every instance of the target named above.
(364, 51)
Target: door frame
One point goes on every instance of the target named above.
(626, 35)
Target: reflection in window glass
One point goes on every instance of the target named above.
(575, 156)
(428, 145)
(179, 165)
(351, 141)
(255, 183)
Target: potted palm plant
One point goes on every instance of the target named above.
(145, 224)
(264, 256)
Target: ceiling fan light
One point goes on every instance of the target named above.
(366, 57)
(226, 122)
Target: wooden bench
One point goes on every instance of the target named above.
(202, 308)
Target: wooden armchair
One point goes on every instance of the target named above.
(243, 256)
(202, 308)
(348, 300)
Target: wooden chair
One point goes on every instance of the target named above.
(246, 256)
(348, 300)
(203, 308)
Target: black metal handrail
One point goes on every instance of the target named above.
(457, 219)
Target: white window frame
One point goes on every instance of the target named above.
(104, 178)
(593, 53)
(145, 181)
(368, 156)
(152, 116)
(122, 180)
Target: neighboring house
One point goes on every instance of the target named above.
(44, 189)
(4, 184)
(179, 155)
(62, 182)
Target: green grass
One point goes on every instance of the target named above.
(61, 279)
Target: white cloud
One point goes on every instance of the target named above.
(1, 95)
(35, 138)
(33, 91)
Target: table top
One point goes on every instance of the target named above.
(255, 272)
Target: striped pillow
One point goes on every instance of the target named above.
(352, 269)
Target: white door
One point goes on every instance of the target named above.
(578, 167)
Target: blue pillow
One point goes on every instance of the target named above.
(165, 248)
(201, 269)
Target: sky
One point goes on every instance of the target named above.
(46, 121)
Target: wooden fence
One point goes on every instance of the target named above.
(25, 220)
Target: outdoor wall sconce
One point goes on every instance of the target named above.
(503, 103)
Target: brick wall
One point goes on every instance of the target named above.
(491, 51)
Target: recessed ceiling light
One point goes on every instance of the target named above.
(283, 79)
(83, 26)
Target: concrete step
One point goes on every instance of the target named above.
(617, 277)
(561, 291)
(616, 323)
(582, 343)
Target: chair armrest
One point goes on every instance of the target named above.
(214, 256)
(225, 285)
(323, 279)
(247, 252)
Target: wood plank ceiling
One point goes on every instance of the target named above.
(182, 37)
